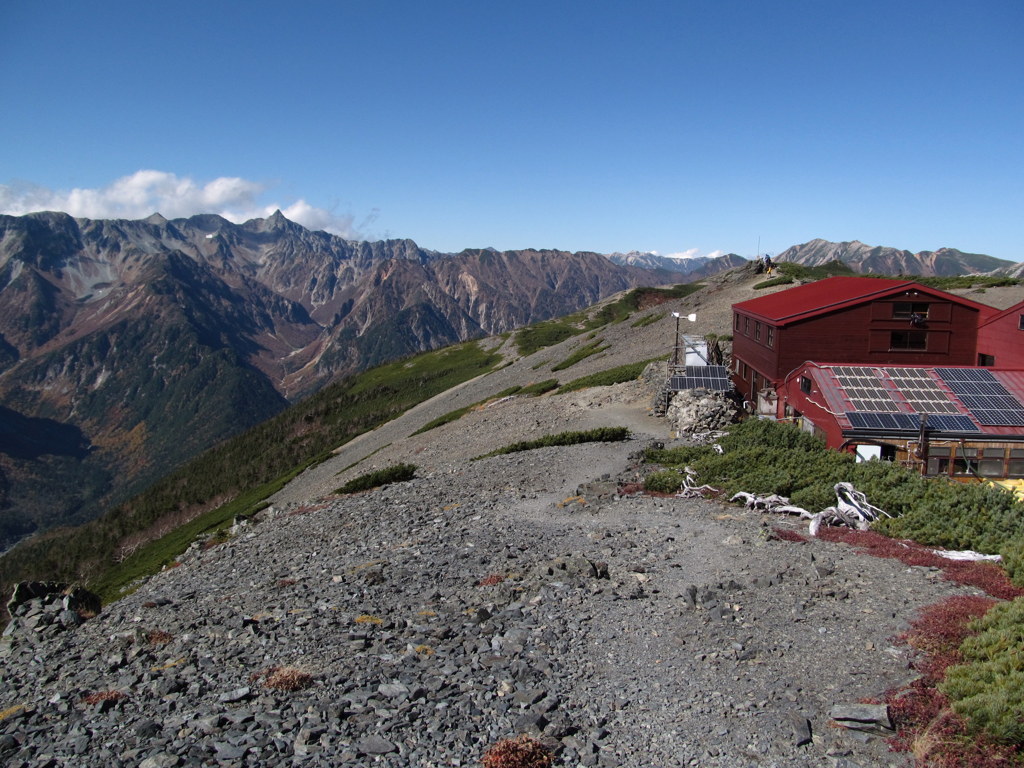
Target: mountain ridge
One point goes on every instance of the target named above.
(157, 338)
(885, 260)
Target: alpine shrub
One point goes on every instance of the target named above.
(987, 690)
(397, 473)
(599, 435)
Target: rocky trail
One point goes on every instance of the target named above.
(419, 623)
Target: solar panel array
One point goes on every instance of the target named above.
(959, 423)
(864, 389)
(712, 377)
(911, 422)
(982, 394)
(921, 391)
(886, 421)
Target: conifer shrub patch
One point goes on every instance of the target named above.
(666, 481)
(539, 387)
(599, 435)
(987, 688)
(772, 282)
(547, 334)
(593, 348)
(646, 320)
(927, 725)
(396, 473)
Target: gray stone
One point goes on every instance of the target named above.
(864, 717)
(161, 760)
(801, 728)
(238, 694)
(375, 745)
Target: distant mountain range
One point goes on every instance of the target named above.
(702, 266)
(127, 347)
(892, 261)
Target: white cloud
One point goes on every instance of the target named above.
(147, 191)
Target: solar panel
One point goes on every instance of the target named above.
(957, 423)
(949, 375)
(984, 396)
(989, 402)
(994, 417)
(873, 404)
(894, 421)
(712, 377)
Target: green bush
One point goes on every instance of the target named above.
(397, 473)
(763, 457)
(599, 435)
(967, 281)
(582, 353)
(772, 282)
(539, 388)
(987, 690)
(646, 320)
(667, 481)
(547, 334)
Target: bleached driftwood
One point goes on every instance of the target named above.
(966, 554)
(690, 489)
(770, 503)
(852, 509)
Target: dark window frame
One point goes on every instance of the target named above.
(908, 341)
(904, 310)
(940, 460)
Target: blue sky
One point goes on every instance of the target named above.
(664, 126)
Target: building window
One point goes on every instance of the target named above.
(736, 324)
(1020, 322)
(746, 326)
(904, 310)
(908, 340)
(938, 461)
(757, 331)
(991, 462)
(769, 337)
(805, 385)
(966, 462)
(1015, 467)
(987, 361)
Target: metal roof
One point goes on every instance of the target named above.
(834, 293)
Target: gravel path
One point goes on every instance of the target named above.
(480, 600)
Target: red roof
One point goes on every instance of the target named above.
(1017, 308)
(833, 293)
